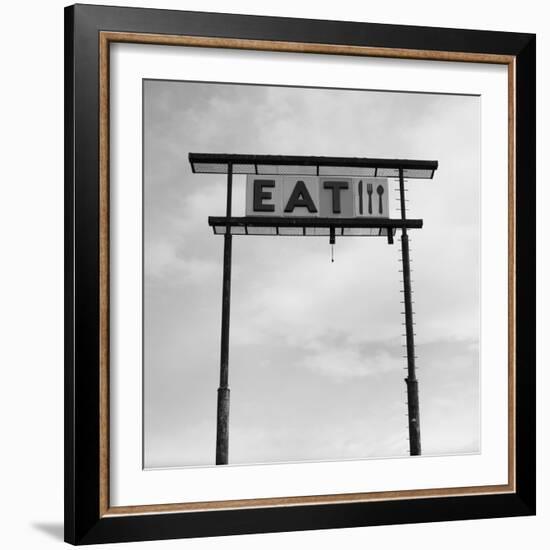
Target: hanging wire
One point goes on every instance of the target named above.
(332, 242)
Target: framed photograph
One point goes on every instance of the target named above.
(300, 274)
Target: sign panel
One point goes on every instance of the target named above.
(300, 196)
(372, 197)
(264, 195)
(336, 197)
(326, 197)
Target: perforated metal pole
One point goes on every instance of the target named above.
(222, 431)
(411, 381)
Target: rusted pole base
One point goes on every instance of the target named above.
(222, 433)
(414, 414)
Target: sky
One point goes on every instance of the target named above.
(316, 361)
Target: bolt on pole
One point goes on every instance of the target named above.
(222, 429)
(411, 381)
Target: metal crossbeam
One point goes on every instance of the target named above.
(219, 163)
(264, 221)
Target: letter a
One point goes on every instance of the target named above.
(300, 197)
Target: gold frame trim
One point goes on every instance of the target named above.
(105, 39)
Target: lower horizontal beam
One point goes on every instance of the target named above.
(268, 221)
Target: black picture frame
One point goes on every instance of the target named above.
(84, 522)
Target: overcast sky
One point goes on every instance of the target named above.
(316, 366)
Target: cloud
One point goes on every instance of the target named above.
(349, 363)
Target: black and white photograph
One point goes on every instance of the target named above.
(311, 274)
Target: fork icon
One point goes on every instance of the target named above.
(369, 193)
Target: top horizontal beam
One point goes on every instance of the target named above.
(214, 163)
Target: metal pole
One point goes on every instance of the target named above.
(411, 381)
(222, 431)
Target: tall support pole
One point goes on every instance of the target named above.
(411, 381)
(222, 431)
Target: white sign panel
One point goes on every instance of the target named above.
(312, 196)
